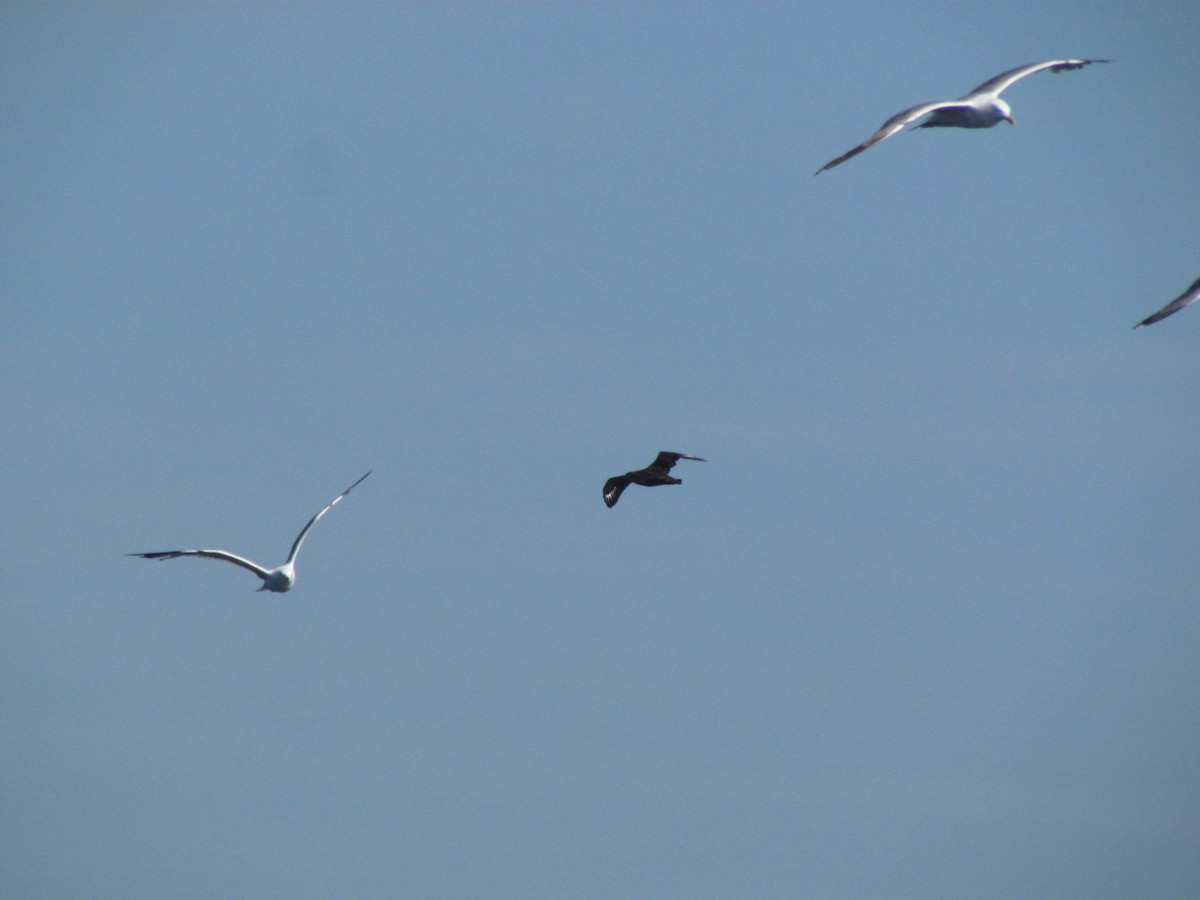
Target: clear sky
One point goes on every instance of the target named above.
(927, 622)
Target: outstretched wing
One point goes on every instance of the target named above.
(896, 123)
(1188, 296)
(313, 521)
(613, 488)
(208, 554)
(1004, 79)
(665, 461)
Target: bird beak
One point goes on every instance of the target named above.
(1011, 120)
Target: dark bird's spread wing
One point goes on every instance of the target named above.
(1004, 79)
(613, 488)
(1188, 296)
(665, 461)
(208, 554)
(313, 521)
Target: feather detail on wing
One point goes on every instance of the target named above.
(613, 488)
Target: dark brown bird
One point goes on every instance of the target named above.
(653, 475)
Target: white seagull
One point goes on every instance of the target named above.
(982, 108)
(1190, 295)
(279, 580)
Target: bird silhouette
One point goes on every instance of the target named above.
(654, 474)
(278, 580)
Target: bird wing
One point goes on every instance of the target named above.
(208, 554)
(613, 488)
(665, 461)
(1004, 79)
(896, 123)
(1189, 296)
(313, 521)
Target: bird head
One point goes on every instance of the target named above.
(1005, 111)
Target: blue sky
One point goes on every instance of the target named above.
(924, 625)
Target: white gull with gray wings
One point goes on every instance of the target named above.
(279, 580)
(982, 108)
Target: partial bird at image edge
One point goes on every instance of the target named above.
(1187, 297)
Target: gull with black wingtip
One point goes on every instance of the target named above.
(981, 108)
(278, 580)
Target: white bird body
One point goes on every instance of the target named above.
(981, 108)
(981, 112)
(278, 580)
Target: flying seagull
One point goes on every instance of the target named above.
(279, 580)
(982, 108)
(654, 474)
(1191, 294)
